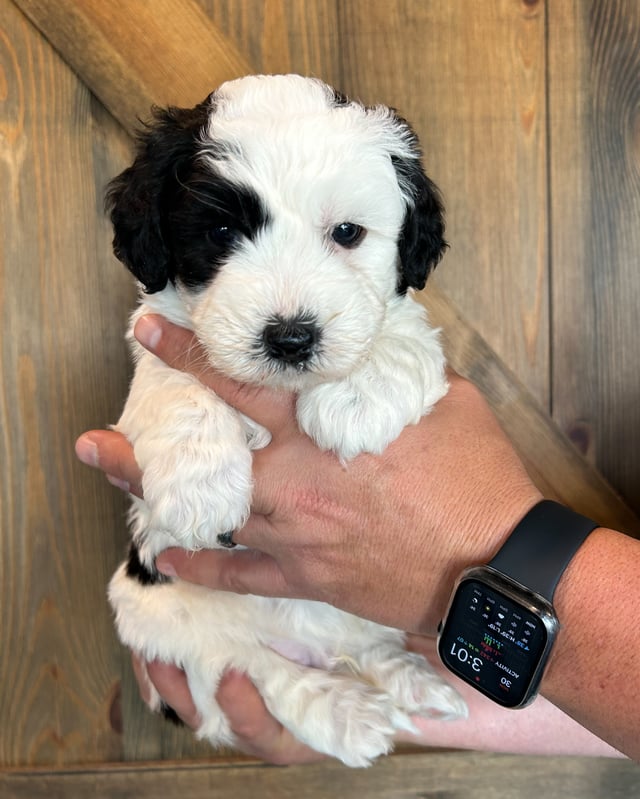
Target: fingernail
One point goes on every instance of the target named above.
(148, 332)
(164, 566)
(87, 451)
(115, 481)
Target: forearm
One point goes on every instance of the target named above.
(539, 729)
(594, 674)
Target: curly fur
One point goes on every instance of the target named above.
(287, 226)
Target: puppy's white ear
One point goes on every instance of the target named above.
(138, 198)
(421, 243)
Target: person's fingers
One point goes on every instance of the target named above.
(180, 349)
(241, 572)
(111, 452)
(176, 346)
(171, 683)
(257, 731)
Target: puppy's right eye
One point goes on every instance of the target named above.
(222, 235)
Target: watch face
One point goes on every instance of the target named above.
(492, 642)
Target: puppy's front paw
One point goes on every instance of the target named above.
(401, 380)
(354, 416)
(195, 495)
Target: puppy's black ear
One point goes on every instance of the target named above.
(139, 197)
(421, 244)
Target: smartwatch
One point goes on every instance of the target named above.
(500, 624)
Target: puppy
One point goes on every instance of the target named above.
(287, 227)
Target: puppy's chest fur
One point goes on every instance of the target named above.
(312, 297)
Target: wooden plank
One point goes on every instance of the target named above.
(594, 96)
(450, 775)
(280, 36)
(64, 367)
(471, 78)
(133, 53)
(138, 734)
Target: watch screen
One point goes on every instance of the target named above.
(492, 642)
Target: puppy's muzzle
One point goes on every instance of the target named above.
(291, 341)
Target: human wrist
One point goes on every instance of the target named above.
(588, 676)
(501, 617)
(574, 595)
(479, 532)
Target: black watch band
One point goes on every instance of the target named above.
(541, 546)
(500, 626)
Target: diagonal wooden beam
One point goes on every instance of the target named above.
(134, 53)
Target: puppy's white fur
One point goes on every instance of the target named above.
(339, 683)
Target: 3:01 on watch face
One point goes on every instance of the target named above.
(492, 642)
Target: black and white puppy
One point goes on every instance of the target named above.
(286, 226)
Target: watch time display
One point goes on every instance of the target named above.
(492, 642)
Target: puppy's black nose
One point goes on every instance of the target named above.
(290, 341)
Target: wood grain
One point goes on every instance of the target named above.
(280, 36)
(437, 775)
(61, 533)
(594, 95)
(133, 53)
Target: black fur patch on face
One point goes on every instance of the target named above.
(138, 571)
(137, 196)
(206, 220)
(174, 218)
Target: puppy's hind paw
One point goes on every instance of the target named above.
(443, 703)
(417, 688)
(423, 692)
(360, 726)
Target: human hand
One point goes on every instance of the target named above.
(256, 731)
(383, 536)
(539, 729)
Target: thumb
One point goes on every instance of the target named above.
(240, 572)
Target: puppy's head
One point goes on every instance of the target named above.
(283, 218)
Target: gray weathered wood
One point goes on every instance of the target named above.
(450, 775)
(64, 369)
(594, 96)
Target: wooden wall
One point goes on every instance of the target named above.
(529, 114)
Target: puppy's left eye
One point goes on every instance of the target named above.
(347, 234)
